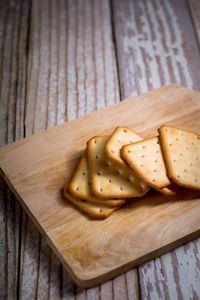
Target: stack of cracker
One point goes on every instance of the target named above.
(115, 169)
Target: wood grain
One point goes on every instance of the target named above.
(71, 72)
(73, 237)
(195, 14)
(13, 62)
(156, 45)
(99, 44)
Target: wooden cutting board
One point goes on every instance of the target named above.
(36, 168)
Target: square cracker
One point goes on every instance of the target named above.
(146, 159)
(80, 184)
(120, 137)
(181, 151)
(108, 179)
(94, 210)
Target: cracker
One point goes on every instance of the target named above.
(108, 179)
(120, 137)
(181, 151)
(79, 186)
(94, 210)
(146, 159)
(167, 191)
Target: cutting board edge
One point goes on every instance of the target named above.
(84, 282)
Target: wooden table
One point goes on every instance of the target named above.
(60, 60)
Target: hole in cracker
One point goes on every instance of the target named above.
(100, 210)
(154, 170)
(121, 188)
(181, 154)
(99, 173)
(130, 179)
(176, 139)
(157, 151)
(165, 129)
(197, 158)
(195, 180)
(143, 147)
(198, 138)
(141, 166)
(129, 151)
(158, 142)
(170, 145)
(118, 172)
(119, 141)
(89, 183)
(178, 176)
(192, 143)
(156, 161)
(186, 148)
(174, 160)
(97, 156)
(124, 130)
(110, 180)
(142, 156)
(83, 200)
(185, 170)
(83, 173)
(107, 164)
(154, 180)
(95, 141)
(191, 164)
(113, 151)
(77, 188)
(101, 189)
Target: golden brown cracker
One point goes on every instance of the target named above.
(94, 210)
(108, 179)
(181, 150)
(146, 159)
(120, 137)
(80, 184)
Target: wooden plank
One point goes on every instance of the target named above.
(195, 15)
(13, 61)
(75, 83)
(73, 237)
(156, 45)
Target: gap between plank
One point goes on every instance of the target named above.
(139, 284)
(24, 135)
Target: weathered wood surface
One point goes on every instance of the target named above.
(71, 72)
(156, 44)
(13, 61)
(41, 275)
(195, 15)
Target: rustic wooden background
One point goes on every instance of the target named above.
(60, 60)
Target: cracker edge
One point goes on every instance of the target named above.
(82, 206)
